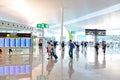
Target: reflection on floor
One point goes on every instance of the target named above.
(84, 66)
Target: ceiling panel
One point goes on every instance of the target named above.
(31, 12)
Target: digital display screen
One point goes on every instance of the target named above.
(96, 32)
(18, 42)
(12, 42)
(101, 33)
(90, 33)
(7, 69)
(28, 42)
(23, 69)
(23, 42)
(17, 69)
(15, 34)
(27, 68)
(2, 42)
(1, 71)
(12, 69)
(7, 42)
(23, 34)
(3, 34)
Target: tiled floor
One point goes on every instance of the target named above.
(83, 66)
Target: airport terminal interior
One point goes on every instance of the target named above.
(59, 39)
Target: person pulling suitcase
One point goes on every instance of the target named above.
(53, 53)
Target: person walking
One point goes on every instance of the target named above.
(49, 48)
(104, 47)
(71, 47)
(77, 47)
(63, 46)
(85, 45)
(97, 45)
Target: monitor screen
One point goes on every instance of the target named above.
(23, 69)
(28, 42)
(27, 68)
(17, 69)
(18, 42)
(7, 70)
(1, 70)
(12, 42)
(23, 42)
(12, 69)
(7, 42)
(2, 42)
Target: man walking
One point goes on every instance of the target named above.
(71, 46)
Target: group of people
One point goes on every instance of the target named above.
(51, 49)
(75, 45)
(97, 46)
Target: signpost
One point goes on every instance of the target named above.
(42, 26)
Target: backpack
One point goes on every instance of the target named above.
(40, 44)
(73, 45)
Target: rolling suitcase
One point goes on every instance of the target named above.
(55, 56)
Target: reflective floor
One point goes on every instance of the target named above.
(84, 66)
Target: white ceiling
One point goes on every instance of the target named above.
(78, 14)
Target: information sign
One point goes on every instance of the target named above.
(42, 25)
(96, 32)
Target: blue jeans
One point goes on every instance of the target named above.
(71, 53)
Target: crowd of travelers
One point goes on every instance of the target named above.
(51, 48)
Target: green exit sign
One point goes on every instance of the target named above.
(42, 25)
(72, 32)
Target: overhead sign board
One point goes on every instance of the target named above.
(11, 35)
(96, 32)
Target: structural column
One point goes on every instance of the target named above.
(61, 38)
